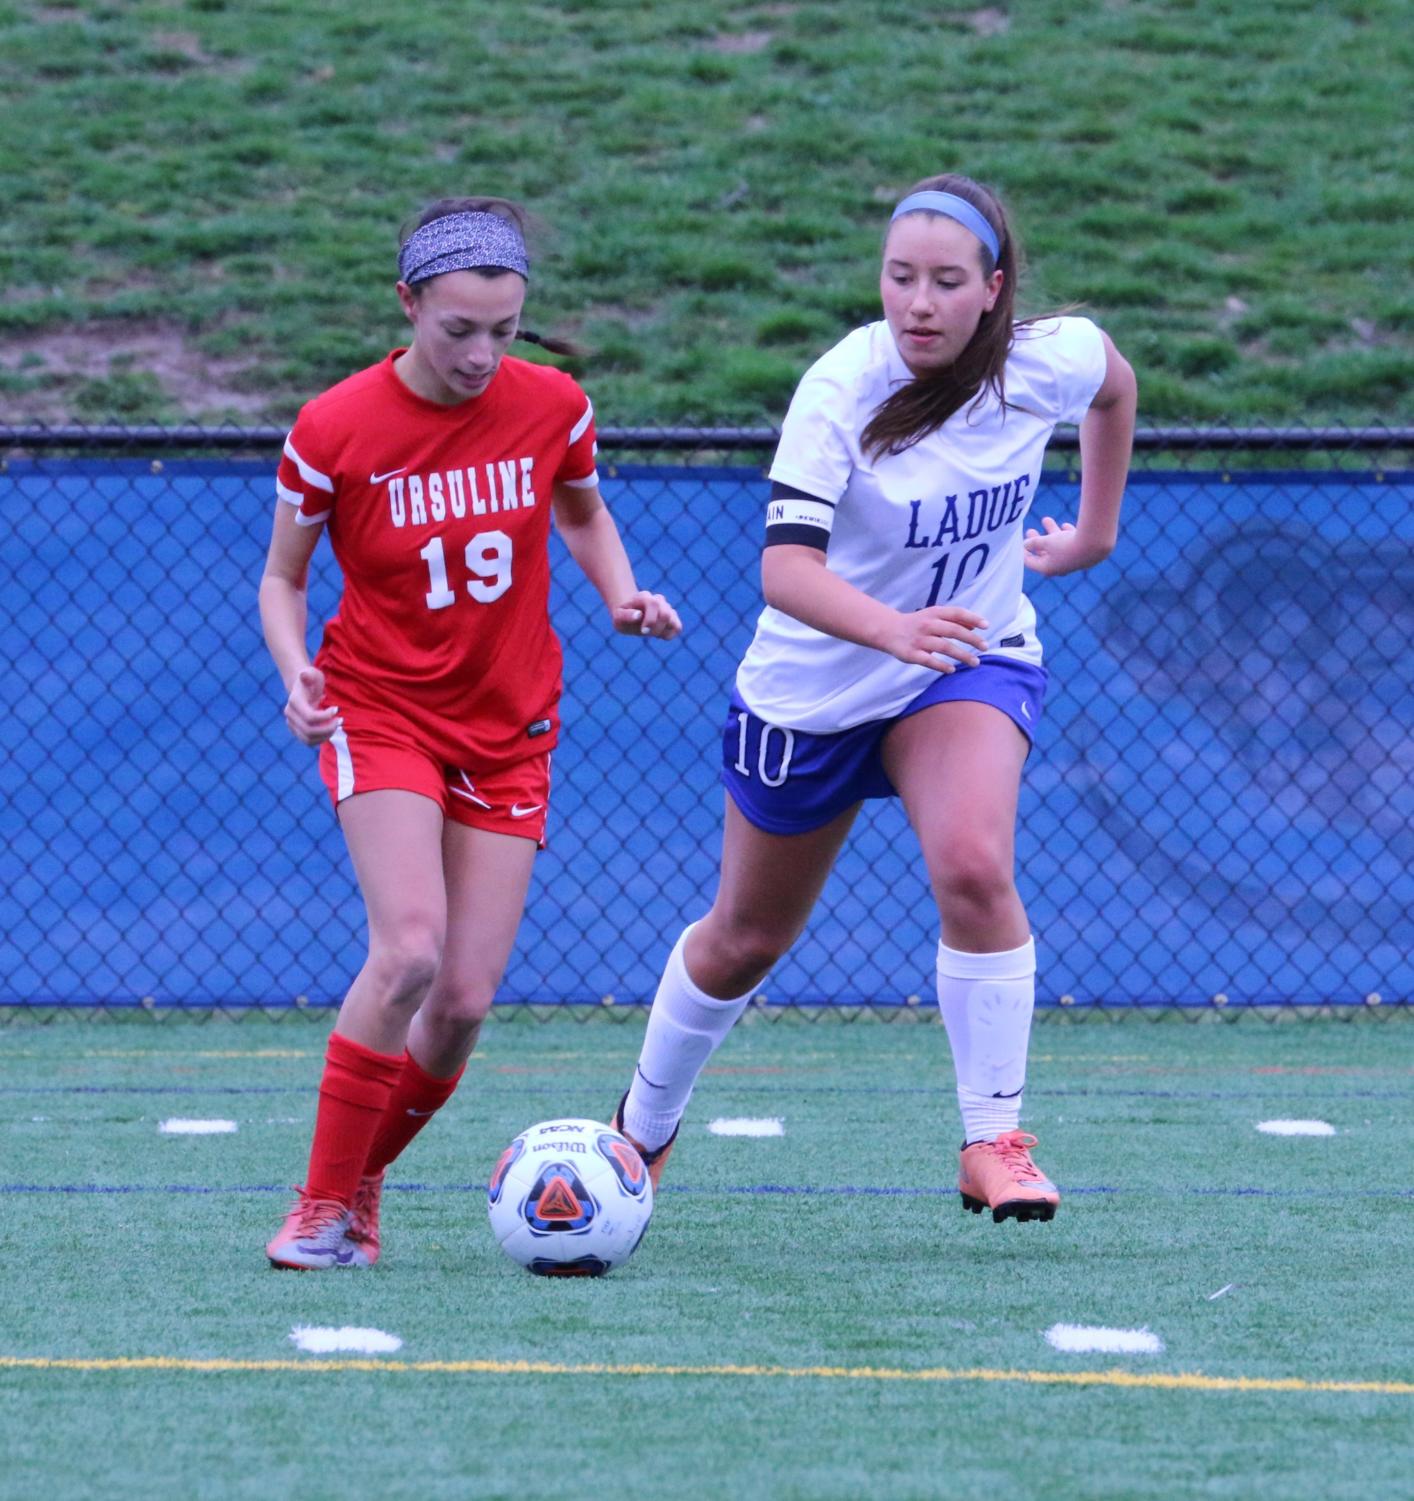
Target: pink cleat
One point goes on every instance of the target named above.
(362, 1234)
(313, 1236)
(1000, 1175)
(656, 1160)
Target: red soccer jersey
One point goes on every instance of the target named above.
(439, 517)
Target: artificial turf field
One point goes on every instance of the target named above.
(810, 1316)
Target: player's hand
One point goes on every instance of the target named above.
(940, 637)
(310, 721)
(645, 614)
(1060, 549)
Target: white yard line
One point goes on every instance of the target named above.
(324, 1341)
(1083, 1337)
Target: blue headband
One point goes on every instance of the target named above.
(955, 208)
(462, 242)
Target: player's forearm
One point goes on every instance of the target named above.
(597, 548)
(796, 582)
(1106, 441)
(284, 616)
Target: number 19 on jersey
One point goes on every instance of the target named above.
(488, 561)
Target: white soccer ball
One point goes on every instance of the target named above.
(569, 1198)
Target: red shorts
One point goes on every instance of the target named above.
(375, 757)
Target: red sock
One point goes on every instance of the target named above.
(416, 1098)
(353, 1095)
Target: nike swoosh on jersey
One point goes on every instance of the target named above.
(377, 479)
(518, 812)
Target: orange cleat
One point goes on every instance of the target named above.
(313, 1236)
(656, 1160)
(1000, 1175)
(362, 1233)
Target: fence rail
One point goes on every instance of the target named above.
(1219, 812)
(111, 437)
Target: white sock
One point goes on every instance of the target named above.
(986, 1001)
(684, 1028)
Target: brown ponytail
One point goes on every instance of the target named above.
(555, 346)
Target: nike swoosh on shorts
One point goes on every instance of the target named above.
(518, 812)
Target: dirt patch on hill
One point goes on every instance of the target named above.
(991, 20)
(56, 365)
(745, 42)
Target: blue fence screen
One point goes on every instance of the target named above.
(1221, 801)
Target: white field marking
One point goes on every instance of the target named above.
(1221, 1291)
(320, 1341)
(1077, 1337)
(1296, 1128)
(178, 1127)
(745, 1126)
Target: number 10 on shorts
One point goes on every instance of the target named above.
(770, 750)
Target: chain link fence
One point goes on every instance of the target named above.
(1217, 813)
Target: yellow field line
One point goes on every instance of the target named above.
(1188, 1381)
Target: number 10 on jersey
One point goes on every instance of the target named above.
(488, 561)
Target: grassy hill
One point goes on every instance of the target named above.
(204, 197)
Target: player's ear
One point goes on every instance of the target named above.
(408, 298)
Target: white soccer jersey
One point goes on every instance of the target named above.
(941, 523)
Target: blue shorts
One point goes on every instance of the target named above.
(789, 781)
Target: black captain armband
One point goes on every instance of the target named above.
(792, 516)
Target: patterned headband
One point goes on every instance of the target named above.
(462, 242)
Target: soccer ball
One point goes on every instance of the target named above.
(569, 1198)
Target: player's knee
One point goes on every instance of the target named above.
(740, 953)
(404, 964)
(460, 1002)
(973, 880)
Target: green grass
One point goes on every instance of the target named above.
(1223, 185)
(1160, 1115)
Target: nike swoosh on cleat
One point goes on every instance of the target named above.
(377, 479)
(518, 812)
